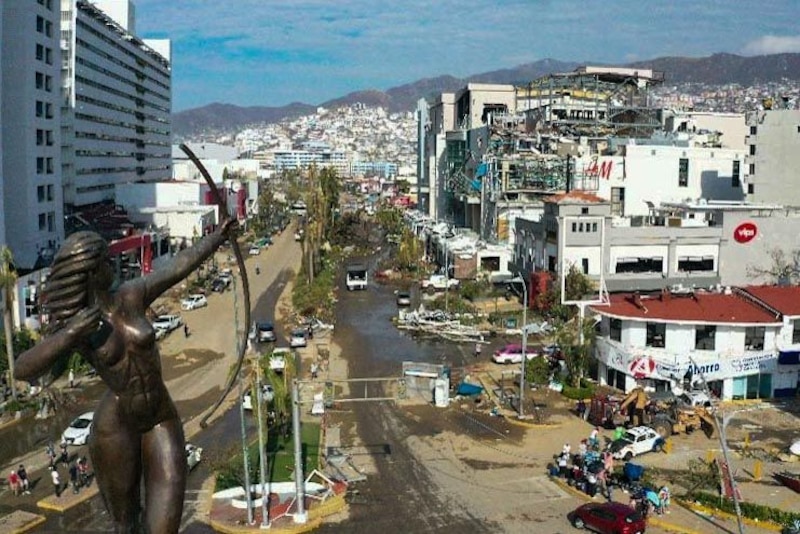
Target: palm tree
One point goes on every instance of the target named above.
(8, 283)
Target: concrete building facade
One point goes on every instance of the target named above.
(773, 157)
(117, 103)
(32, 208)
(738, 339)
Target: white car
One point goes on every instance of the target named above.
(192, 302)
(167, 323)
(635, 441)
(298, 338)
(277, 360)
(193, 455)
(77, 433)
(254, 250)
(512, 353)
(266, 391)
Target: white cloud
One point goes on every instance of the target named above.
(772, 44)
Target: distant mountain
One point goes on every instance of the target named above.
(716, 69)
(721, 69)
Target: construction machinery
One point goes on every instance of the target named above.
(662, 411)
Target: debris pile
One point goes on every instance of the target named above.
(441, 324)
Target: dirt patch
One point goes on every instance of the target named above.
(187, 361)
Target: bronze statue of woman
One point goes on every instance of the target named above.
(136, 431)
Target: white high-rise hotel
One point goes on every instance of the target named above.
(85, 105)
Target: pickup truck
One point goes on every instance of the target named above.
(439, 282)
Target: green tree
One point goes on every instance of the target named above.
(8, 284)
(409, 253)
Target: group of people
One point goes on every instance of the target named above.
(588, 469)
(79, 476)
(591, 470)
(18, 481)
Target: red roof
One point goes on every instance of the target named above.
(785, 299)
(581, 197)
(699, 307)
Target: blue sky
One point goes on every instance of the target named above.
(273, 52)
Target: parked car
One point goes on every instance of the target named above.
(635, 441)
(265, 332)
(266, 390)
(608, 518)
(404, 298)
(255, 250)
(193, 455)
(226, 275)
(277, 360)
(192, 302)
(77, 433)
(218, 285)
(512, 353)
(298, 338)
(168, 323)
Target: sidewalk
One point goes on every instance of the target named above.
(679, 519)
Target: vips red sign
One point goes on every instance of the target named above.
(745, 232)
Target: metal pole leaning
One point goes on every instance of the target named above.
(524, 345)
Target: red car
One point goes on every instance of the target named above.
(608, 518)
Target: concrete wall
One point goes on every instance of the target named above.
(777, 157)
(161, 194)
(737, 260)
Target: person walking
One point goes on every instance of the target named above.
(314, 370)
(186, 330)
(13, 482)
(83, 472)
(477, 350)
(73, 476)
(64, 459)
(24, 483)
(56, 479)
(50, 451)
(71, 379)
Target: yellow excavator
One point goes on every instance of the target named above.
(666, 414)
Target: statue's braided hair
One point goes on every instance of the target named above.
(65, 292)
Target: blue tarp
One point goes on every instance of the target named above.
(482, 169)
(476, 184)
(468, 390)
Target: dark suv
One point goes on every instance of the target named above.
(608, 518)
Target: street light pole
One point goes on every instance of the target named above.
(247, 490)
(524, 343)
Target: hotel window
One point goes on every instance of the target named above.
(751, 189)
(796, 331)
(754, 337)
(48, 111)
(683, 172)
(50, 195)
(48, 137)
(39, 137)
(39, 108)
(48, 83)
(39, 52)
(40, 193)
(752, 169)
(40, 165)
(695, 263)
(48, 56)
(704, 337)
(49, 165)
(42, 221)
(753, 130)
(656, 333)
(51, 222)
(752, 150)
(584, 211)
(736, 174)
(40, 24)
(615, 329)
(39, 80)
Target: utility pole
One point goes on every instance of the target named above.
(262, 454)
(300, 515)
(723, 441)
(248, 494)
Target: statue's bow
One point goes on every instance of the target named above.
(245, 284)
